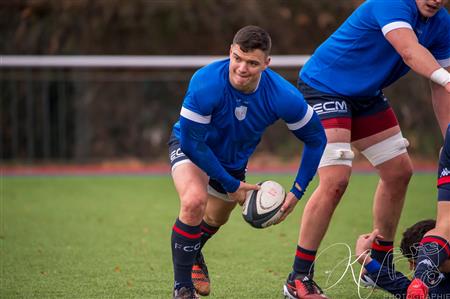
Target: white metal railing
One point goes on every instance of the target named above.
(154, 61)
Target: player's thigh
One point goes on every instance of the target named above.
(443, 216)
(379, 139)
(218, 210)
(190, 182)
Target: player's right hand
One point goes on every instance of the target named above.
(364, 244)
(240, 194)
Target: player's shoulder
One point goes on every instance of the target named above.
(211, 78)
(443, 17)
(288, 103)
(279, 86)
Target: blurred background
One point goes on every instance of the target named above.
(96, 114)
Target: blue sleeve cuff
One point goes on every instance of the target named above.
(373, 266)
(298, 193)
(232, 185)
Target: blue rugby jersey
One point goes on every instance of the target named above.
(357, 59)
(226, 125)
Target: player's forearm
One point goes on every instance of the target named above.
(193, 145)
(419, 59)
(314, 138)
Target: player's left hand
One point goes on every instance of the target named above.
(240, 194)
(288, 206)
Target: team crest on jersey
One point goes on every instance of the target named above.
(240, 112)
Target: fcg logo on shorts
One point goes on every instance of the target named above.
(331, 107)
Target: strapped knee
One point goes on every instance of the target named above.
(386, 150)
(337, 154)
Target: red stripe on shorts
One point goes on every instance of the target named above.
(338, 122)
(369, 125)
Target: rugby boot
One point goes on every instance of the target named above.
(185, 293)
(200, 276)
(302, 287)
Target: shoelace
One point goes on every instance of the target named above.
(312, 287)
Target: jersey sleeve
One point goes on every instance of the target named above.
(304, 123)
(200, 100)
(393, 282)
(390, 15)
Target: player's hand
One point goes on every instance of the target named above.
(364, 244)
(240, 194)
(288, 206)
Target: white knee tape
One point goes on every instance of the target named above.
(337, 154)
(386, 149)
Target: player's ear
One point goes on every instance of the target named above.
(267, 61)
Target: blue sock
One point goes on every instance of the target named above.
(185, 245)
(383, 252)
(433, 251)
(207, 232)
(304, 261)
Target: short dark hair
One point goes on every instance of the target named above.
(252, 37)
(412, 237)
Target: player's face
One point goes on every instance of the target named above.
(429, 8)
(246, 68)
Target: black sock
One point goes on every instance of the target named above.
(433, 251)
(207, 231)
(383, 252)
(185, 245)
(304, 261)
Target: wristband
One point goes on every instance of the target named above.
(440, 76)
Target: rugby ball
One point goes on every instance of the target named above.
(262, 207)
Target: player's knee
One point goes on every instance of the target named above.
(338, 153)
(334, 188)
(398, 175)
(216, 221)
(193, 204)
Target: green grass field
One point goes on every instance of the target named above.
(109, 237)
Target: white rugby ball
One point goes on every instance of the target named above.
(262, 207)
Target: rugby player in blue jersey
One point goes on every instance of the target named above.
(343, 81)
(227, 107)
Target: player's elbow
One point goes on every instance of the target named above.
(407, 54)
